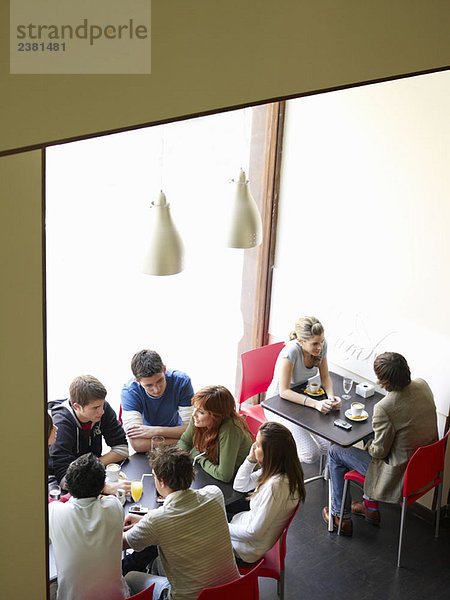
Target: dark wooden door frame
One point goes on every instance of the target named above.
(264, 175)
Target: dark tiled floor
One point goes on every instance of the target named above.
(322, 566)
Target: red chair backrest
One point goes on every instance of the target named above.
(257, 369)
(424, 470)
(283, 538)
(146, 594)
(244, 588)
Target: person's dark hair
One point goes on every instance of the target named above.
(146, 363)
(85, 476)
(174, 466)
(280, 457)
(392, 371)
(49, 421)
(85, 389)
(219, 402)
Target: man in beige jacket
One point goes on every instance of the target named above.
(402, 421)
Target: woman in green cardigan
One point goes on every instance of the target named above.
(217, 433)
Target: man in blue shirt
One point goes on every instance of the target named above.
(157, 402)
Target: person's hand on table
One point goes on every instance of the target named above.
(324, 406)
(131, 520)
(336, 402)
(141, 431)
(122, 484)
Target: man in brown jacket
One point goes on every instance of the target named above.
(402, 421)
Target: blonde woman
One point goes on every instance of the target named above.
(303, 357)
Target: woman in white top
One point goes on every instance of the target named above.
(279, 488)
(302, 358)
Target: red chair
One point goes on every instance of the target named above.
(423, 473)
(245, 588)
(146, 594)
(257, 373)
(273, 560)
(120, 415)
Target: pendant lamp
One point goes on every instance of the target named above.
(165, 251)
(246, 224)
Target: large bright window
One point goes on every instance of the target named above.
(100, 307)
(363, 227)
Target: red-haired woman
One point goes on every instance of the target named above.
(218, 432)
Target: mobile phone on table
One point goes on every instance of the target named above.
(138, 510)
(343, 424)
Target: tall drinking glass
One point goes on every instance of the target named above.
(136, 492)
(347, 384)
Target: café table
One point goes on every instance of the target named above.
(137, 465)
(323, 424)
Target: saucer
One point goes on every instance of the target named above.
(320, 392)
(363, 417)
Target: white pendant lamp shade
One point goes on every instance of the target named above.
(246, 224)
(165, 250)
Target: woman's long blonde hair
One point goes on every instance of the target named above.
(218, 401)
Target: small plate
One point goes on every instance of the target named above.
(363, 417)
(320, 392)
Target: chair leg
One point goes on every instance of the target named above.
(402, 523)
(438, 509)
(330, 520)
(344, 498)
(281, 586)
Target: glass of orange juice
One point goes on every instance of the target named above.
(136, 492)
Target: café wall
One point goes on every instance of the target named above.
(205, 56)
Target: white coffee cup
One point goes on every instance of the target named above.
(55, 492)
(112, 472)
(357, 409)
(313, 387)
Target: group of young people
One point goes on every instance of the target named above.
(188, 539)
(189, 536)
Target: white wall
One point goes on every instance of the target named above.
(363, 226)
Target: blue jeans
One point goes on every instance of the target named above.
(342, 460)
